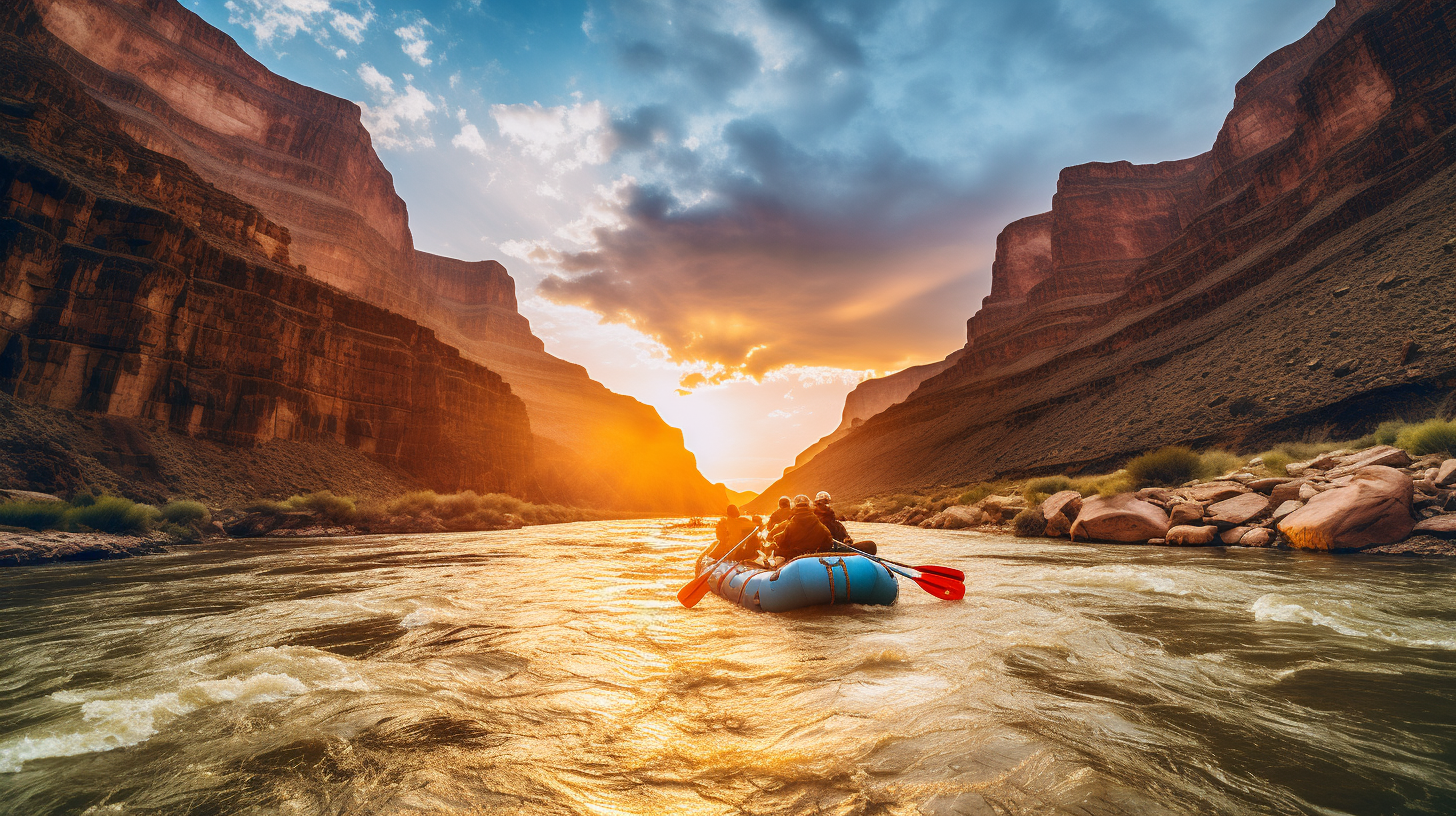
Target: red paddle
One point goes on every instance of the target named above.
(694, 590)
(940, 586)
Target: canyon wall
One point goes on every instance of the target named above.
(303, 158)
(1296, 281)
(871, 397)
(131, 287)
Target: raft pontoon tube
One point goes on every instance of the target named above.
(817, 579)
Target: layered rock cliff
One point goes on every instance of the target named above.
(1295, 281)
(873, 396)
(131, 287)
(304, 159)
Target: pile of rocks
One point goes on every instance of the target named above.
(1340, 501)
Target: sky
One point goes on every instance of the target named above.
(735, 210)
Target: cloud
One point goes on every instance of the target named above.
(397, 119)
(820, 184)
(413, 42)
(469, 138)
(565, 137)
(274, 20)
(350, 27)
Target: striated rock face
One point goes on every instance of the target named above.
(303, 158)
(131, 287)
(1289, 282)
(871, 397)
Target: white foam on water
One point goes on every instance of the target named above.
(1350, 622)
(108, 722)
(1117, 577)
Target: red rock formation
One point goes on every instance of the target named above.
(131, 287)
(1210, 300)
(304, 159)
(868, 399)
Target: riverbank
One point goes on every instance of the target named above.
(1376, 499)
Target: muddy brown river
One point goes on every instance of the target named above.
(551, 670)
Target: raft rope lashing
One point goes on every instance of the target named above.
(829, 570)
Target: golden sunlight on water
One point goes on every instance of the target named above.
(551, 670)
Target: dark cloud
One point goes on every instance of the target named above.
(821, 183)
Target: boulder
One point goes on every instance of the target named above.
(1058, 526)
(1233, 535)
(1237, 510)
(1439, 526)
(1287, 491)
(1266, 486)
(1257, 537)
(1000, 508)
(1156, 495)
(1186, 535)
(960, 517)
(1122, 518)
(1185, 513)
(1285, 509)
(1446, 474)
(1374, 508)
(1214, 491)
(1306, 492)
(1381, 455)
(1065, 503)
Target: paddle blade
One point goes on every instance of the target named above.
(945, 572)
(940, 586)
(693, 591)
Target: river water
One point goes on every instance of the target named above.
(551, 670)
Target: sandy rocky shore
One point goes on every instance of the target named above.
(1375, 500)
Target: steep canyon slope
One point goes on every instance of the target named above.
(304, 159)
(134, 290)
(1296, 281)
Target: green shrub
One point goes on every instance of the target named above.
(1169, 466)
(1038, 489)
(1215, 463)
(1387, 432)
(1431, 436)
(417, 503)
(35, 515)
(181, 533)
(339, 509)
(1107, 484)
(1274, 462)
(1028, 523)
(112, 514)
(186, 512)
(976, 492)
(266, 506)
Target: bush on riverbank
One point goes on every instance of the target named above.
(179, 520)
(416, 511)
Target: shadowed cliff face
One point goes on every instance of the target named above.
(1297, 280)
(302, 157)
(133, 288)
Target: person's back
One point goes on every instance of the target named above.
(732, 530)
(802, 533)
(829, 520)
(781, 513)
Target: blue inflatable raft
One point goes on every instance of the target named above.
(818, 579)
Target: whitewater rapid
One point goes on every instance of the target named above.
(551, 670)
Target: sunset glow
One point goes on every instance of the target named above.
(732, 213)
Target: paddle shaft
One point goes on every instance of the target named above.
(937, 585)
(695, 589)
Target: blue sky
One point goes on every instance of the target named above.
(734, 210)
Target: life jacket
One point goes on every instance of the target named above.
(828, 519)
(802, 533)
(731, 530)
